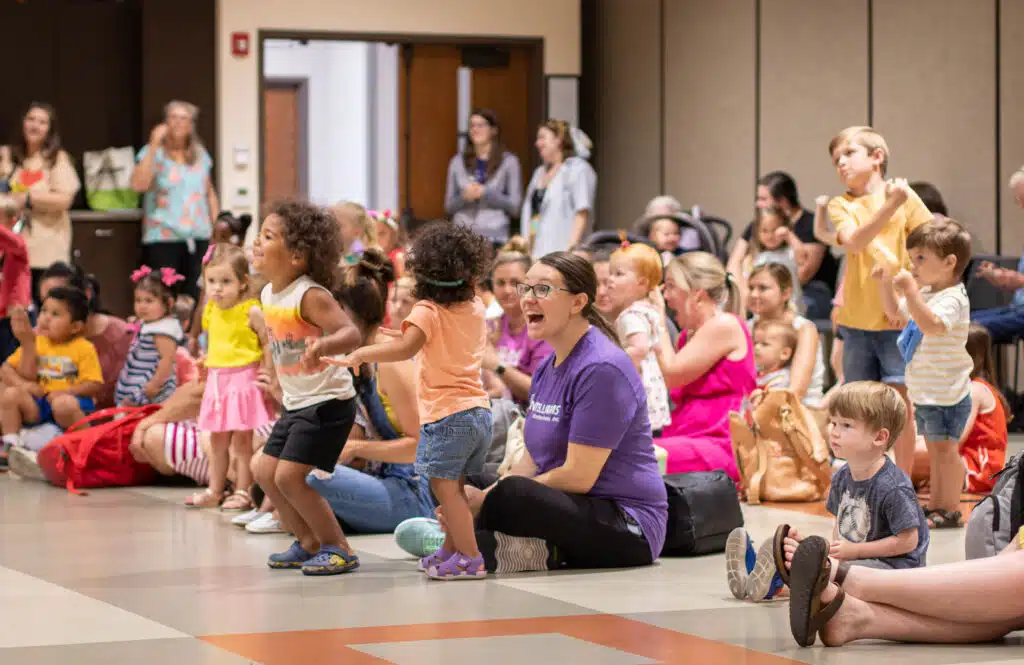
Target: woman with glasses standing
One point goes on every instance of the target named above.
(485, 183)
(587, 492)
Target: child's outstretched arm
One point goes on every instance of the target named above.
(858, 238)
(822, 230)
(401, 348)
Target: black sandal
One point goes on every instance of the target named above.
(809, 579)
(945, 519)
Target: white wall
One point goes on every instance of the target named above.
(352, 123)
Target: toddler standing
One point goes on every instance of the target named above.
(934, 347)
(233, 405)
(447, 328)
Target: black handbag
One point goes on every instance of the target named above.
(703, 508)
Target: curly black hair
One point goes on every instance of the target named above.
(447, 252)
(315, 234)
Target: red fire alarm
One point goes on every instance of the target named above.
(239, 44)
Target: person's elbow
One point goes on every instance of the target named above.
(908, 540)
(579, 480)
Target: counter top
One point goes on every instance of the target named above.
(133, 215)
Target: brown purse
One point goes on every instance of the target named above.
(780, 449)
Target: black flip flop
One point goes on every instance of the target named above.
(781, 533)
(809, 578)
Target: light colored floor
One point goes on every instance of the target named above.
(129, 576)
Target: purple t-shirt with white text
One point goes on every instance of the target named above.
(596, 398)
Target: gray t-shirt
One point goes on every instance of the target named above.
(879, 507)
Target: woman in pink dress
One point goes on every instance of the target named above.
(711, 371)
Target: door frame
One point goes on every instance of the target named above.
(536, 98)
(301, 86)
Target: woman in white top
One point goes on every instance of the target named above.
(558, 208)
(770, 298)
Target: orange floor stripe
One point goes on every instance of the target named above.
(332, 647)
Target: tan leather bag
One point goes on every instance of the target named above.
(782, 455)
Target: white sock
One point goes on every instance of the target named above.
(11, 440)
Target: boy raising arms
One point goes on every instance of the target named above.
(872, 221)
(934, 347)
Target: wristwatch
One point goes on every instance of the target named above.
(500, 370)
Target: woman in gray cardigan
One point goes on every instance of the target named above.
(558, 207)
(484, 188)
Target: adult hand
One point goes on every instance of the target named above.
(476, 499)
(157, 136)
(473, 191)
(22, 327)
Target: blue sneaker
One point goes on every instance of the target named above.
(763, 581)
(330, 561)
(293, 557)
(419, 536)
(740, 558)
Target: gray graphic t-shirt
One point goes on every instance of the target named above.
(879, 507)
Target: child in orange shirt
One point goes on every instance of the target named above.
(448, 325)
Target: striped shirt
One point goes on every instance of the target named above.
(141, 363)
(939, 374)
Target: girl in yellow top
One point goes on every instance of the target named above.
(233, 405)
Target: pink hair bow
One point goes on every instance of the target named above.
(170, 276)
(140, 273)
(209, 253)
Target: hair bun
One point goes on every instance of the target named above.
(515, 244)
(376, 265)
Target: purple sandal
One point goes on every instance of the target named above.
(458, 567)
(435, 559)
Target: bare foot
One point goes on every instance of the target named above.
(847, 622)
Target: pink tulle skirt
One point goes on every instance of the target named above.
(686, 455)
(232, 402)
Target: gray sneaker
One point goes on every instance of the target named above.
(24, 462)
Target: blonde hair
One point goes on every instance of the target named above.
(865, 136)
(702, 271)
(516, 250)
(195, 146)
(405, 282)
(873, 404)
(367, 225)
(645, 259)
(233, 256)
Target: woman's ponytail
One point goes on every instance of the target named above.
(597, 320)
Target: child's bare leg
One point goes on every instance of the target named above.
(922, 464)
(904, 446)
(460, 535)
(17, 407)
(66, 410)
(836, 359)
(290, 517)
(947, 471)
(313, 511)
(241, 448)
(220, 442)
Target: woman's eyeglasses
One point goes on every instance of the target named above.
(539, 291)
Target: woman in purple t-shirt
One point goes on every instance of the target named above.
(513, 356)
(587, 492)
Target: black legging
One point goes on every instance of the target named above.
(580, 531)
(175, 255)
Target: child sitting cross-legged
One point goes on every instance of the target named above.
(878, 520)
(55, 373)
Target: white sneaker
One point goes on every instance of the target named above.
(265, 523)
(24, 463)
(246, 518)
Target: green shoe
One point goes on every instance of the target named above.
(419, 536)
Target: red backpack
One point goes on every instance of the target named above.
(94, 452)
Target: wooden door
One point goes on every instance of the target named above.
(427, 126)
(282, 142)
(505, 91)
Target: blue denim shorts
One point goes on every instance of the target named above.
(943, 423)
(454, 446)
(872, 355)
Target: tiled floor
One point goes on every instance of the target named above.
(129, 576)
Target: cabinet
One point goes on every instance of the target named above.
(106, 245)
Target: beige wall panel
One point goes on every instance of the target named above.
(814, 82)
(934, 101)
(1012, 113)
(629, 109)
(557, 22)
(709, 98)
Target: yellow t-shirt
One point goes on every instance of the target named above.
(63, 366)
(230, 340)
(862, 296)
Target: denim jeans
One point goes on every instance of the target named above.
(1004, 323)
(373, 504)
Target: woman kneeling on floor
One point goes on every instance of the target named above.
(587, 492)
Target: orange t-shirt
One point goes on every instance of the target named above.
(449, 363)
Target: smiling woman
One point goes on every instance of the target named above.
(587, 492)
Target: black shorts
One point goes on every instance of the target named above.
(314, 435)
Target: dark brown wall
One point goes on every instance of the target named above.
(108, 67)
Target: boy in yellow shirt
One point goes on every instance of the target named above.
(872, 221)
(55, 373)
